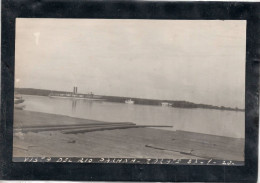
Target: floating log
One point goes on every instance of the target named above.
(111, 128)
(84, 124)
(64, 127)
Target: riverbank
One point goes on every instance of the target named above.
(117, 143)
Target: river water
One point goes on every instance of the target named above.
(208, 121)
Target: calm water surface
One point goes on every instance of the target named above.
(215, 122)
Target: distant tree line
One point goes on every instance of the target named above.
(140, 101)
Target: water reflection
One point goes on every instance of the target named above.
(74, 105)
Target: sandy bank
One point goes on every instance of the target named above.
(118, 143)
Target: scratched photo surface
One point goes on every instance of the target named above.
(133, 89)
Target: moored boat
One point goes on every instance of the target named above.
(18, 102)
(166, 104)
(18, 99)
(75, 95)
(129, 101)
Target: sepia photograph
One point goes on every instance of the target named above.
(129, 89)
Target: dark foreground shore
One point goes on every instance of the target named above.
(115, 143)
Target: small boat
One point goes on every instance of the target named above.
(129, 101)
(18, 102)
(18, 99)
(166, 104)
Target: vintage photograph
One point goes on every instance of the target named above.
(128, 88)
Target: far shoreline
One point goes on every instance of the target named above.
(138, 101)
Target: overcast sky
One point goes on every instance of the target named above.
(197, 61)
